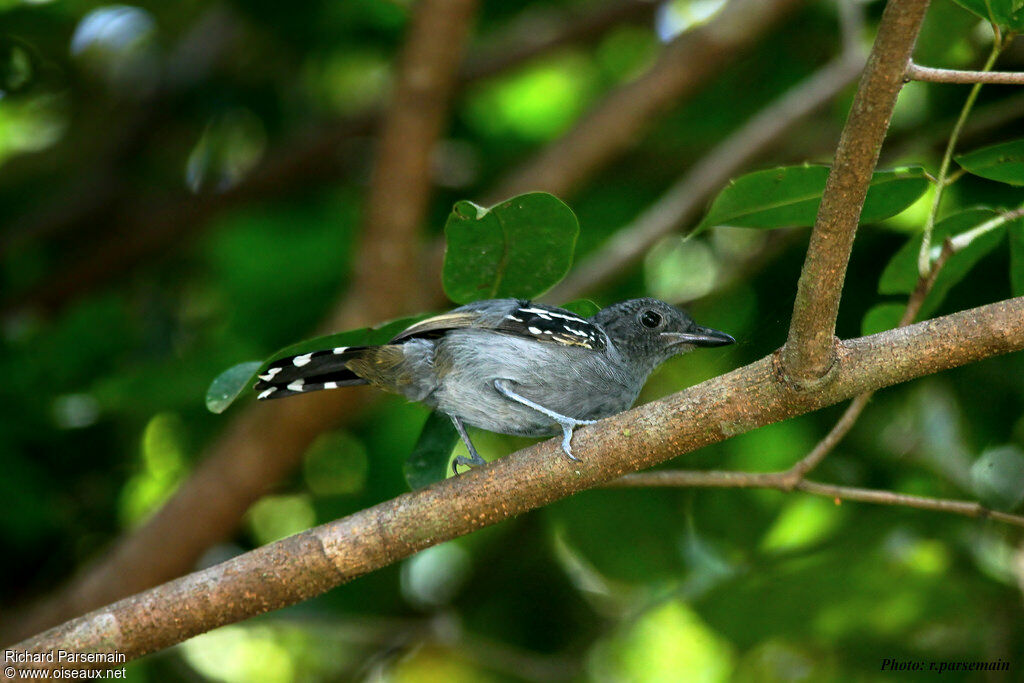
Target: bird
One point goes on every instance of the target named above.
(510, 366)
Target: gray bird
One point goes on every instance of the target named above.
(507, 365)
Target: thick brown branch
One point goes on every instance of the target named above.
(616, 123)
(852, 413)
(916, 72)
(810, 349)
(316, 560)
(265, 442)
(777, 480)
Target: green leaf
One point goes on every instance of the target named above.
(428, 461)
(229, 384)
(1009, 14)
(790, 195)
(998, 477)
(900, 275)
(519, 248)
(1003, 162)
(584, 308)
(1016, 232)
(881, 317)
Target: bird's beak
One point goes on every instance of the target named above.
(701, 336)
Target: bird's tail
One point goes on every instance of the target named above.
(327, 369)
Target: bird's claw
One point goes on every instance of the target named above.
(470, 462)
(567, 429)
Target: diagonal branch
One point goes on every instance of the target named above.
(312, 562)
(810, 349)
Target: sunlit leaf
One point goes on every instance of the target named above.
(790, 195)
(998, 477)
(1016, 232)
(519, 248)
(229, 384)
(881, 317)
(428, 461)
(1009, 14)
(1003, 162)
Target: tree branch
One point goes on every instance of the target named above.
(616, 123)
(778, 481)
(810, 348)
(263, 443)
(314, 561)
(916, 72)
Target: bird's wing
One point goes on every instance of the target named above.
(520, 318)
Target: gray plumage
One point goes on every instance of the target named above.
(509, 366)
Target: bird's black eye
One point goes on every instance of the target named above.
(650, 319)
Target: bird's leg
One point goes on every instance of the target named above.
(564, 421)
(474, 457)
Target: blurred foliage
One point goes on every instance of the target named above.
(159, 105)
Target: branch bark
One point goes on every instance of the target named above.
(916, 72)
(810, 349)
(265, 442)
(314, 561)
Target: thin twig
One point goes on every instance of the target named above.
(810, 349)
(924, 255)
(779, 481)
(915, 72)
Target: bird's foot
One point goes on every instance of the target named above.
(568, 425)
(470, 462)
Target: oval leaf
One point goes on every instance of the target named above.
(790, 195)
(519, 248)
(428, 461)
(1003, 162)
(1008, 14)
(229, 384)
(1016, 232)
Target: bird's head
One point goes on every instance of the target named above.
(649, 331)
